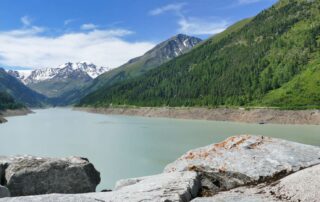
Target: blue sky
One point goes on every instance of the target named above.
(46, 33)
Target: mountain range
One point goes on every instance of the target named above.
(68, 83)
(53, 82)
(272, 59)
(160, 54)
(11, 87)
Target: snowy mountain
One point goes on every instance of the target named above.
(63, 72)
(92, 70)
(22, 94)
(59, 83)
(20, 75)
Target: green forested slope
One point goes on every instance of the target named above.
(19, 92)
(163, 52)
(271, 60)
(7, 102)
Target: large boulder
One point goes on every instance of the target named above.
(245, 159)
(303, 185)
(178, 187)
(300, 186)
(28, 175)
(4, 192)
(269, 169)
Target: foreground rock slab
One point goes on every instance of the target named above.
(4, 192)
(179, 186)
(240, 169)
(28, 175)
(303, 185)
(244, 160)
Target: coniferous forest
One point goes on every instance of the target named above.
(270, 60)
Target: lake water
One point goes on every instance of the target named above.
(123, 146)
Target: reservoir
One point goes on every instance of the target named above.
(126, 146)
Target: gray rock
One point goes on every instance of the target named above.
(28, 175)
(303, 185)
(178, 186)
(245, 159)
(235, 197)
(300, 186)
(242, 194)
(4, 192)
(51, 198)
(2, 120)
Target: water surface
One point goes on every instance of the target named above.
(123, 146)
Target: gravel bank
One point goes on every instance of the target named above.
(311, 117)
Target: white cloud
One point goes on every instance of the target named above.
(88, 26)
(32, 48)
(25, 31)
(68, 21)
(196, 26)
(26, 21)
(248, 1)
(170, 7)
(192, 25)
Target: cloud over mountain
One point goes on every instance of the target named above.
(31, 46)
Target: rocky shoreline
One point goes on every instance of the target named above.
(2, 120)
(16, 112)
(242, 168)
(261, 116)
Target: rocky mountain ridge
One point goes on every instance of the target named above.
(63, 71)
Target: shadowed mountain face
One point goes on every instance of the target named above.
(272, 59)
(59, 83)
(12, 87)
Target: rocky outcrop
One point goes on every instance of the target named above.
(28, 175)
(179, 186)
(240, 169)
(4, 192)
(300, 186)
(15, 112)
(2, 120)
(244, 160)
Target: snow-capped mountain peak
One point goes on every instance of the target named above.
(63, 71)
(91, 69)
(21, 74)
(42, 74)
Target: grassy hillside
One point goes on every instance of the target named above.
(303, 91)
(269, 60)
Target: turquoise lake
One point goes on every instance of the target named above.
(126, 146)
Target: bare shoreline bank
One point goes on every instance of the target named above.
(16, 112)
(262, 116)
